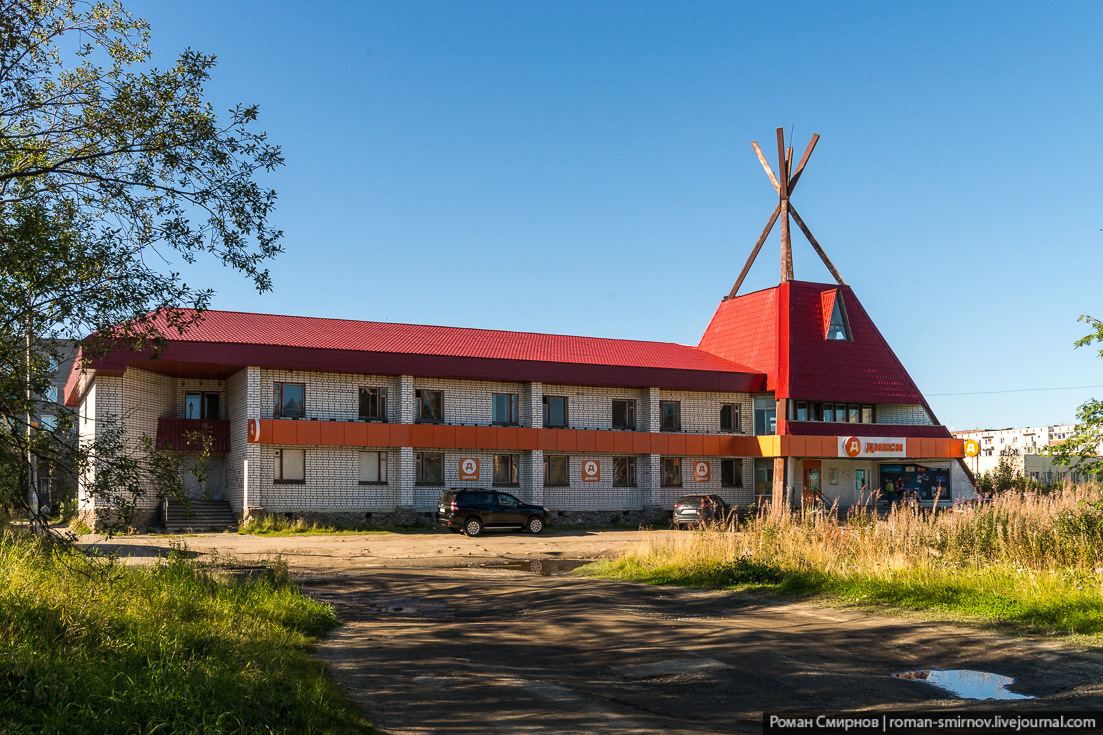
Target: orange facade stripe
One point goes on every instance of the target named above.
(514, 438)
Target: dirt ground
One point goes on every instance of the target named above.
(446, 634)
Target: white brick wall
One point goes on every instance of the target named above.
(732, 495)
(902, 413)
(470, 401)
(590, 407)
(701, 411)
(135, 401)
(332, 482)
(191, 385)
(332, 472)
(600, 495)
(327, 395)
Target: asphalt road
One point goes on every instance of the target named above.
(445, 634)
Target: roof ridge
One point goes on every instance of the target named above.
(445, 326)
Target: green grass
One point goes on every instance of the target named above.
(1029, 562)
(272, 525)
(93, 647)
(1055, 602)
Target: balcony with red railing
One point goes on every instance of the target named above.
(182, 434)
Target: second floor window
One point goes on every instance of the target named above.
(555, 411)
(290, 400)
(765, 416)
(201, 406)
(624, 414)
(624, 471)
(505, 469)
(555, 470)
(373, 404)
(428, 468)
(729, 417)
(505, 408)
(671, 414)
(429, 405)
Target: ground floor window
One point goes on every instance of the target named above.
(672, 472)
(763, 481)
(428, 468)
(555, 471)
(731, 472)
(373, 468)
(505, 469)
(624, 471)
(903, 482)
(290, 465)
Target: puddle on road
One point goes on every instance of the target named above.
(966, 683)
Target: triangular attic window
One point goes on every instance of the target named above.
(837, 327)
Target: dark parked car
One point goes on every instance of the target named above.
(699, 510)
(472, 511)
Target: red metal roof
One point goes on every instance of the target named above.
(808, 365)
(744, 330)
(228, 327)
(224, 342)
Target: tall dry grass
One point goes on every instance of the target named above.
(1033, 558)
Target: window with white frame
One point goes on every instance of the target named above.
(373, 468)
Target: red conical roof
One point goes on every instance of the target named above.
(782, 332)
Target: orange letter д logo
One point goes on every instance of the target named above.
(853, 446)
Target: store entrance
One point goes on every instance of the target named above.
(812, 493)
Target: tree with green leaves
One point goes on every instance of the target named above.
(1081, 449)
(115, 176)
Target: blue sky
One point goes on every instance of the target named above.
(586, 168)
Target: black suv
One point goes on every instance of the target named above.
(470, 511)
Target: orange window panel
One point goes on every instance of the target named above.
(466, 437)
(528, 438)
(333, 434)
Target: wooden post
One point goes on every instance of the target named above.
(783, 192)
(779, 498)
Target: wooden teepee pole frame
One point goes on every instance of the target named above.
(784, 184)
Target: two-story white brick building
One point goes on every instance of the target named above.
(792, 394)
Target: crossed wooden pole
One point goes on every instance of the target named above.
(784, 185)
